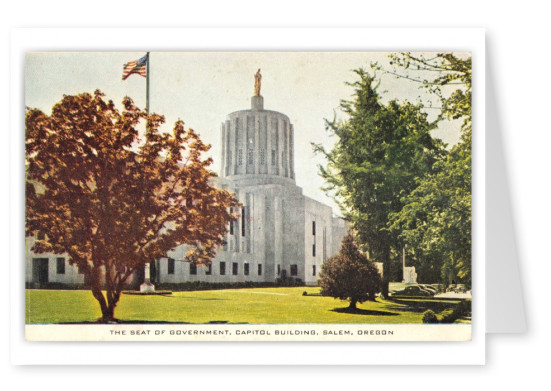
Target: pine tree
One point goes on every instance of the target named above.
(380, 151)
(349, 275)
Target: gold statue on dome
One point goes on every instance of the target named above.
(257, 82)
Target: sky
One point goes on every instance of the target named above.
(201, 88)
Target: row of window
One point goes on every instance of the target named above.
(60, 268)
(244, 213)
(294, 270)
(221, 268)
(250, 157)
(235, 268)
(314, 233)
(243, 229)
(324, 241)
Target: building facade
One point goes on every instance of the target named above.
(280, 234)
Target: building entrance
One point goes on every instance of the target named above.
(40, 270)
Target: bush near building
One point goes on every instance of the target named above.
(349, 275)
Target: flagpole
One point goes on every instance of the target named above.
(147, 85)
(147, 286)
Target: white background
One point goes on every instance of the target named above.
(517, 39)
(246, 39)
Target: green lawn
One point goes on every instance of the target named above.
(258, 305)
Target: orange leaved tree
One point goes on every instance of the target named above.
(113, 200)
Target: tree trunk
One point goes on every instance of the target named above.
(386, 275)
(352, 305)
(108, 314)
(108, 308)
(107, 305)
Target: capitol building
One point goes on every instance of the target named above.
(280, 234)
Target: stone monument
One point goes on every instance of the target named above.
(147, 286)
(409, 276)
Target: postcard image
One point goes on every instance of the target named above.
(248, 196)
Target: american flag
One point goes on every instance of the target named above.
(138, 67)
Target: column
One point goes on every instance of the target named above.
(249, 222)
(235, 145)
(291, 151)
(243, 144)
(278, 234)
(223, 152)
(286, 146)
(256, 150)
(228, 148)
(269, 130)
(280, 147)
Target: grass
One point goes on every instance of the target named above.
(258, 305)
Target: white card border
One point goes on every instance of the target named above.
(244, 353)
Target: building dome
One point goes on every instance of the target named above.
(257, 145)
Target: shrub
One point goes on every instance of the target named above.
(154, 293)
(448, 316)
(430, 317)
(54, 285)
(289, 282)
(451, 315)
(349, 275)
(203, 286)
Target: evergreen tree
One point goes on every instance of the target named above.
(380, 151)
(436, 220)
(349, 275)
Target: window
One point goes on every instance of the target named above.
(192, 268)
(222, 268)
(79, 270)
(234, 268)
(60, 265)
(314, 250)
(262, 157)
(259, 269)
(209, 269)
(171, 263)
(294, 270)
(314, 270)
(274, 157)
(229, 157)
(250, 156)
(246, 269)
(314, 228)
(243, 220)
(278, 270)
(231, 228)
(240, 157)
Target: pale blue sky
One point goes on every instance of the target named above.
(202, 88)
